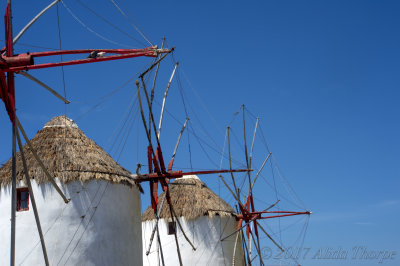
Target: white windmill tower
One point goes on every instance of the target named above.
(100, 225)
(205, 219)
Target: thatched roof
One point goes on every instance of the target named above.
(67, 154)
(191, 198)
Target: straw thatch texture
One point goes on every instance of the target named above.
(191, 198)
(67, 154)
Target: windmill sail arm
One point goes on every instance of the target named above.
(23, 73)
(180, 174)
(265, 232)
(171, 163)
(278, 214)
(26, 61)
(24, 29)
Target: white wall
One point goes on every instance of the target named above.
(205, 234)
(100, 226)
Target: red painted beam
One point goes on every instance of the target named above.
(216, 172)
(79, 61)
(179, 174)
(88, 51)
(284, 215)
(251, 215)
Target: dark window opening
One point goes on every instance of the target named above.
(22, 199)
(171, 228)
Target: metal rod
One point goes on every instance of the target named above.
(32, 196)
(23, 73)
(165, 98)
(49, 177)
(259, 171)
(33, 21)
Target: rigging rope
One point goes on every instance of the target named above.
(104, 98)
(130, 22)
(61, 58)
(90, 29)
(128, 132)
(34, 46)
(123, 117)
(109, 23)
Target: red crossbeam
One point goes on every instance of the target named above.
(26, 61)
(179, 174)
(250, 215)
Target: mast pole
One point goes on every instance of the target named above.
(10, 81)
(13, 197)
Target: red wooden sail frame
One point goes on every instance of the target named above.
(10, 63)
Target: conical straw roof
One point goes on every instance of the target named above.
(67, 154)
(191, 198)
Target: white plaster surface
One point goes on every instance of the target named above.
(100, 226)
(204, 232)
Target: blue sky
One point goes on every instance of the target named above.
(321, 75)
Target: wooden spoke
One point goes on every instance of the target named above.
(165, 98)
(273, 241)
(259, 171)
(25, 74)
(257, 247)
(230, 166)
(154, 83)
(245, 149)
(50, 178)
(173, 221)
(252, 142)
(32, 197)
(176, 145)
(233, 194)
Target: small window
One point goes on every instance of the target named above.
(171, 228)
(22, 199)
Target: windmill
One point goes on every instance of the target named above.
(11, 64)
(248, 216)
(158, 173)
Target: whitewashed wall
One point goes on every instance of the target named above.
(100, 226)
(204, 232)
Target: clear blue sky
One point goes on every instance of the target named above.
(322, 75)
